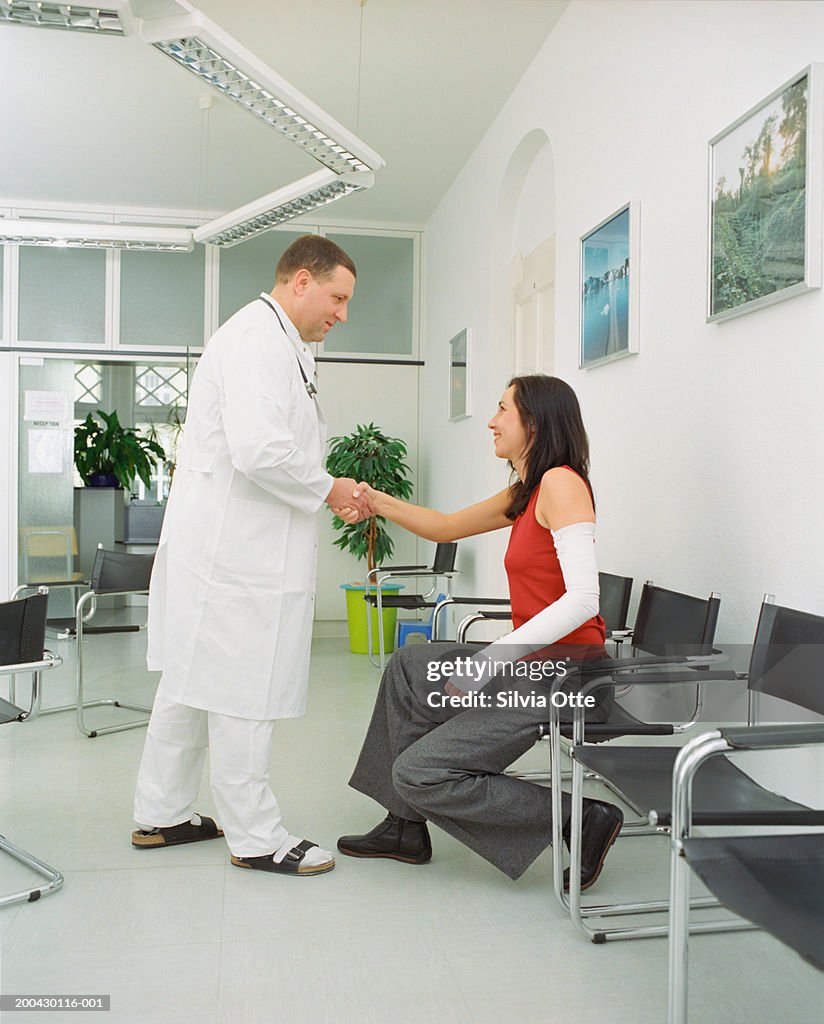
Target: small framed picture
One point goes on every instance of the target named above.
(609, 288)
(765, 202)
(459, 405)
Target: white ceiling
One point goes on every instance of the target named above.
(111, 121)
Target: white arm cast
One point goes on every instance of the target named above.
(575, 545)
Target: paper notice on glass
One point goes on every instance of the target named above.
(49, 406)
(45, 451)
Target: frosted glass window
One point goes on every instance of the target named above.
(248, 269)
(161, 298)
(380, 314)
(62, 295)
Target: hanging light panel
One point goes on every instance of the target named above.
(75, 17)
(66, 234)
(309, 193)
(200, 46)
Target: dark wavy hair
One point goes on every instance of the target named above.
(549, 407)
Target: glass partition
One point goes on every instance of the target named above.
(46, 539)
(248, 269)
(62, 295)
(380, 319)
(162, 298)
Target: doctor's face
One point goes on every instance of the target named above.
(321, 303)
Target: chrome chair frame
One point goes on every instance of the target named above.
(690, 759)
(10, 712)
(378, 576)
(82, 616)
(793, 813)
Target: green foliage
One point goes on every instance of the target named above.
(758, 222)
(368, 455)
(108, 447)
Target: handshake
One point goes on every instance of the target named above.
(352, 501)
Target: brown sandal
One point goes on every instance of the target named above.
(177, 835)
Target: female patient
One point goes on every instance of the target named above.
(424, 759)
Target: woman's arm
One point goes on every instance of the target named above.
(440, 527)
(565, 507)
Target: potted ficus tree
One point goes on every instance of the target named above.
(368, 454)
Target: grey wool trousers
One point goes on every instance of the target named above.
(445, 764)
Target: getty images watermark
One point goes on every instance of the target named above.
(474, 673)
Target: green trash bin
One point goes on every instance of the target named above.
(356, 615)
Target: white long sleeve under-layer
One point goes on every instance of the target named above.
(575, 546)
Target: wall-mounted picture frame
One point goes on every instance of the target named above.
(609, 261)
(459, 380)
(765, 201)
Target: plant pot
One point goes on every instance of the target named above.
(356, 615)
(103, 480)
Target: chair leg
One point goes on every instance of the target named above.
(81, 705)
(53, 876)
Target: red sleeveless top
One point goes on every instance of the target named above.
(535, 577)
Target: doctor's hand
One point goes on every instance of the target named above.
(343, 502)
(378, 501)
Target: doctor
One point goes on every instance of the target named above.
(232, 591)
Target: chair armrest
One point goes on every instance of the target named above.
(689, 677)
(393, 568)
(764, 737)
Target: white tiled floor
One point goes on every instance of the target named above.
(180, 935)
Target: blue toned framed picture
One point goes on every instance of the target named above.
(609, 289)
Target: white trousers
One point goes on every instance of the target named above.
(172, 766)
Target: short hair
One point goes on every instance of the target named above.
(320, 256)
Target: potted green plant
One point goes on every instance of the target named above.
(368, 455)
(108, 454)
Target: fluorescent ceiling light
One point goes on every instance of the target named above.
(77, 17)
(309, 193)
(66, 233)
(202, 47)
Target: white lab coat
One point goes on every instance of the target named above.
(232, 591)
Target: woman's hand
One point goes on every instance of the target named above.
(376, 500)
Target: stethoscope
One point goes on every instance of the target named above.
(311, 390)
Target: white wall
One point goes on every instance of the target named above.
(707, 461)
(707, 454)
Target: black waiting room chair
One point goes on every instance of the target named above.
(22, 640)
(442, 568)
(114, 574)
(787, 661)
(672, 642)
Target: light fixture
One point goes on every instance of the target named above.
(302, 196)
(106, 20)
(202, 47)
(68, 234)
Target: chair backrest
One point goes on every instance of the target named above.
(117, 572)
(23, 630)
(615, 595)
(445, 555)
(669, 622)
(787, 658)
(51, 542)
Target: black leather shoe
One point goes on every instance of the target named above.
(601, 824)
(395, 838)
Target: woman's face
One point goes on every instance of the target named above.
(509, 434)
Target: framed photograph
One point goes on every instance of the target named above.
(765, 202)
(609, 288)
(459, 407)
